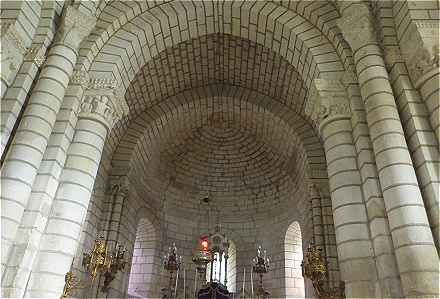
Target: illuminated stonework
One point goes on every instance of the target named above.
(287, 122)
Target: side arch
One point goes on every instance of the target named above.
(293, 256)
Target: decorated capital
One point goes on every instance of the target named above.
(327, 99)
(75, 26)
(313, 190)
(81, 78)
(12, 51)
(120, 185)
(357, 25)
(421, 52)
(103, 102)
(36, 54)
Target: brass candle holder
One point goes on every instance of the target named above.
(69, 283)
(314, 268)
(261, 266)
(117, 263)
(97, 259)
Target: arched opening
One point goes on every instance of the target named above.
(145, 262)
(220, 264)
(293, 256)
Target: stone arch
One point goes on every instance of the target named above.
(302, 44)
(293, 256)
(145, 263)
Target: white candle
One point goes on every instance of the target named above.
(252, 285)
(184, 283)
(244, 280)
(195, 282)
(177, 280)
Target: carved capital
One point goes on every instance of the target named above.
(327, 99)
(12, 51)
(103, 102)
(421, 48)
(120, 185)
(36, 54)
(313, 190)
(357, 25)
(75, 26)
(349, 77)
(392, 56)
(80, 78)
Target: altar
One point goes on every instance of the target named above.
(214, 290)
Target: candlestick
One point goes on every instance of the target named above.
(184, 283)
(244, 280)
(195, 283)
(177, 280)
(252, 284)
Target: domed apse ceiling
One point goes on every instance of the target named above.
(218, 116)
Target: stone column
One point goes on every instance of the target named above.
(15, 97)
(116, 232)
(420, 137)
(100, 109)
(420, 49)
(355, 252)
(389, 285)
(416, 255)
(26, 152)
(37, 211)
(13, 49)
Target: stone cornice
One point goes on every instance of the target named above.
(75, 26)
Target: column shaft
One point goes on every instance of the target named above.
(389, 285)
(14, 99)
(61, 236)
(26, 152)
(35, 215)
(421, 140)
(100, 109)
(416, 255)
(428, 86)
(355, 254)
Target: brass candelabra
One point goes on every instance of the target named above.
(117, 263)
(98, 260)
(261, 266)
(314, 268)
(172, 264)
(69, 283)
